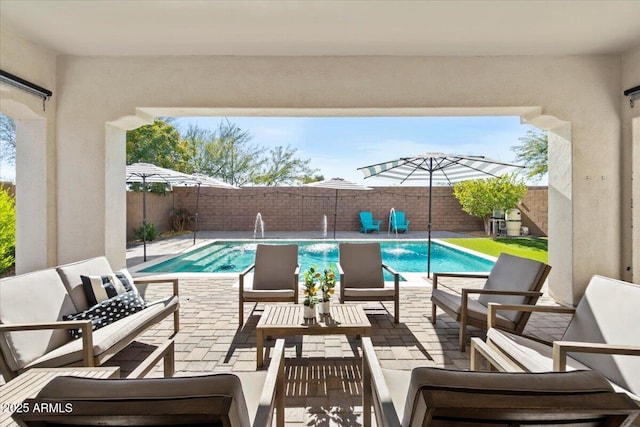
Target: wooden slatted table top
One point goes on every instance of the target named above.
(27, 385)
(290, 316)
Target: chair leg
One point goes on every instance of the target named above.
(396, 310)
(241, 314)
(463, 336)
(433, 313)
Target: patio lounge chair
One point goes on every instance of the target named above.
(512, 280)
(275, 278)
(399, 222)
(236, 400)
(367, 223)
(602, 336)
(362, 278)
(443, 398)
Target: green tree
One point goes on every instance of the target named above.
(533, 152)
(228, 153)
(7, 139)
(7, 230)
(480, 197)
(282, 167)
(160, 144)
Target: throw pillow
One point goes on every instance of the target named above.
(108, 311)
(101, 288)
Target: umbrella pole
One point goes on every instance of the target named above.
(144, 216)
(195, 226)
(335, 215)
(429, 223)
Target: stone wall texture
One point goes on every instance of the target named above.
(303, 208)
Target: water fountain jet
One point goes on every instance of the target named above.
(258, 225)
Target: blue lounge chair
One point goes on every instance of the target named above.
(368, 223)
(399, 222)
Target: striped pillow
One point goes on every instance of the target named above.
(102, 288)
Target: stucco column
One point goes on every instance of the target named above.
(560, 214)
(115, 197)
(33, 187)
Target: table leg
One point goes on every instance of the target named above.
(259, 349)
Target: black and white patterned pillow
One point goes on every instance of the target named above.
(108, 311)
(101, 288)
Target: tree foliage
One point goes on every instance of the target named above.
(533, 152)
(281, 166)
(7, 139)
(160, 144)
(7, 230)
(481, 197)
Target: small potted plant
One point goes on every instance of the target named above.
(310, 293)
(327, 283)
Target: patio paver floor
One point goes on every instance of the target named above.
(322, 372)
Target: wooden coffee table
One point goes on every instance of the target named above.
(287, 320)
(27, 385)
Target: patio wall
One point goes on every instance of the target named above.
(302, 209)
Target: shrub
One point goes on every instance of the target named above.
(480, 197)
(152, 233)
(7, 230)
(180, 218)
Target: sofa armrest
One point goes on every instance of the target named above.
(494, 307)
(272, 396)
(375, 390)
(459, 275)
(561, 348)
(174, 282)
(85, 325)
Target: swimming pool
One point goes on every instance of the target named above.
(402, 256)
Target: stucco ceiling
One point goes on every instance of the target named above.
(190, 27)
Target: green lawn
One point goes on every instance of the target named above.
(526, 247)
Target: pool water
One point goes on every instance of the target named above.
(402, 256)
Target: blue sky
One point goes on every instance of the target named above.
(339, 145)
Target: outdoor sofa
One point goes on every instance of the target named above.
(427, 396)
(243, 399)
(33, 332)
(602, 336)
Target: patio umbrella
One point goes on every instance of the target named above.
(200, 180)
(148, 173)
(443, 169)
(337, 184)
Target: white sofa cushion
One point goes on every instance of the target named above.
(111, 338)
(609, 312)
(535, 356)
(70, 275)
(35, 297)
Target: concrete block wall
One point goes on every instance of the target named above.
(303, 208)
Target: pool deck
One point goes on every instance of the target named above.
(323, 373)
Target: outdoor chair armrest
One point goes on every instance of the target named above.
(561, 348)
(481, 350)
(272, 395)
(390, 270)
(247, 270)
(174, 282)
(340, 270)
(85, 325)
(373, 382)
(460, 275)
(494, 307)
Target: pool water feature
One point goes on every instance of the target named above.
(402, 256)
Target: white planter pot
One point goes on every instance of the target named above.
(309, 312)
(324, 307)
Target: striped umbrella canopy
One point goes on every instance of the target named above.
(337, 184)
(441, 169)
(201, 180)
(146, 173)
